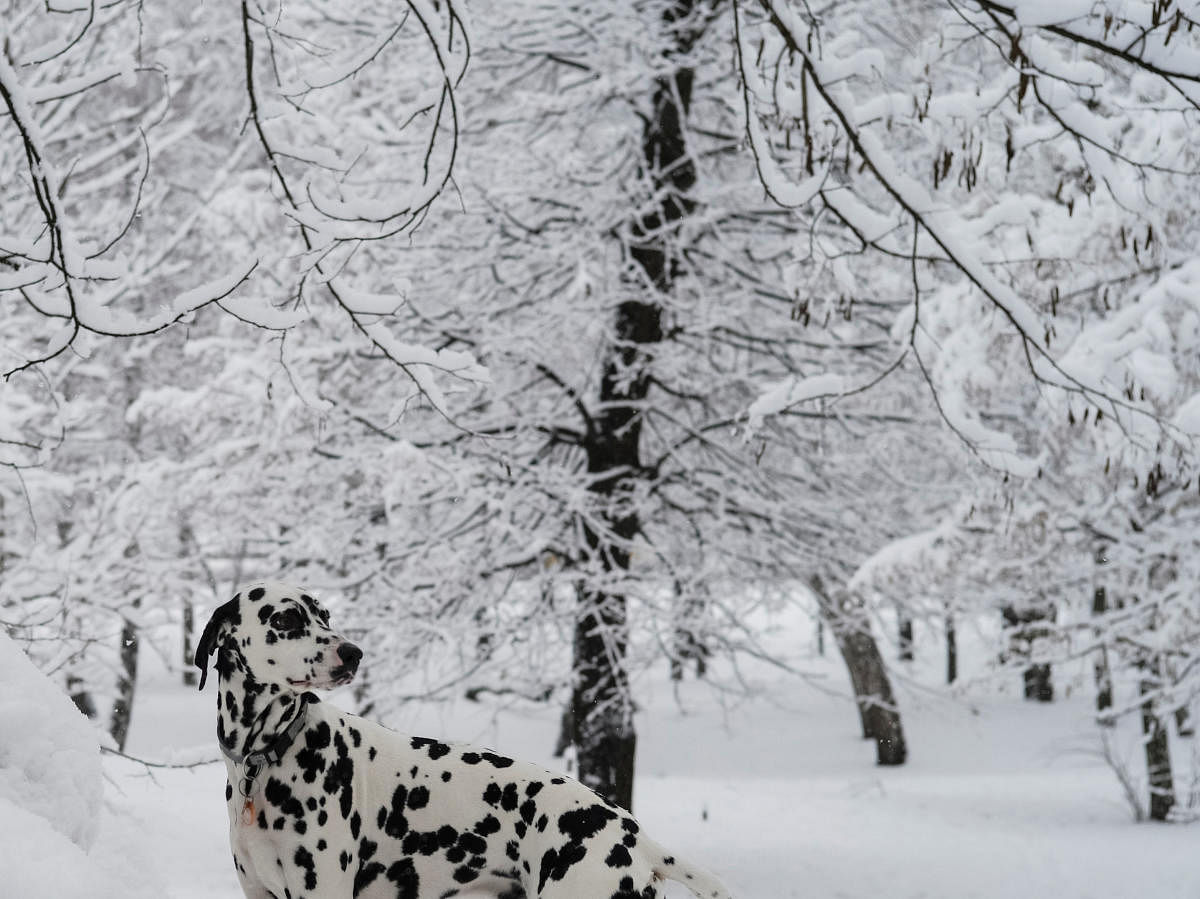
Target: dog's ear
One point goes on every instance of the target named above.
(208, 640)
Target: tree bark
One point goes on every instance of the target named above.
(1024, 629)
(1158, 757)
(951, 650)
(878, 712)
(122, 709)
(1100, 666)
(189, 627)
(601, 710)
(906, 638)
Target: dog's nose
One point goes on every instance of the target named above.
(350, 655)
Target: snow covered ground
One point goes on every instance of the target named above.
(775, 793)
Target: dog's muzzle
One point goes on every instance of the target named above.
(349, 655)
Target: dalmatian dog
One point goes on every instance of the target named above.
(326, 805)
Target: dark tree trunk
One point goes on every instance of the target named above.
(1038, 683)
(1025, 626)
(906, 639)
(601, 710)
(951, 650)
(687, 644)
(602, 727)
(1100, 667)
(122, 709)
(81, 696)
(189, 627)
(1158, 757)
(1184, 723)
(878, 712)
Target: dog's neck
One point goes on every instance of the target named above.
(251, 715)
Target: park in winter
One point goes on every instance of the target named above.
(599, 449)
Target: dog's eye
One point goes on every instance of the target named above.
(287, 620)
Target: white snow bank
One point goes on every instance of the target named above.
(37, 860)
(51, 791)
(49, 757)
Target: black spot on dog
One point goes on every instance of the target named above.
(541, 824)
(465, 874)
(433, 748)
(582, 823)
(418, 797)
(447, 836)
(340, 776)
(265, 613)
(528, 810)
(533, 789)
(619, 857)
(509, 800)
(556, 862)
(395, 824)
(455, 854)
(629, 825)
(492, 794)
(310, 759)
(471, 758)
(512, 850)
(626, 890)
(280, 795)
(404, 875)
(304, 859)
(366, 849)
(473, 843)
(256, 594)
(446, 775)
(366, 876)
(498, 761)
(488, 826)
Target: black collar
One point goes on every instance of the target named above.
(273, 751)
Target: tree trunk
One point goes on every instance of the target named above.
(1025, 629)
(951, 650)
(81, 696)
(601, 710)
(602, 725)
(122, 709)
(878, 712)
(189, 627)
(1158, 756)
(687, 645)
(1100, 667)
(906, 638)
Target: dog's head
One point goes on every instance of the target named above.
(276, 634)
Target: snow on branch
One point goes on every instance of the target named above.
(1039, 172)
(335, 220)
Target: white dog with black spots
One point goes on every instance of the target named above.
(326, 805)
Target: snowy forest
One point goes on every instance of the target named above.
(819, 366)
